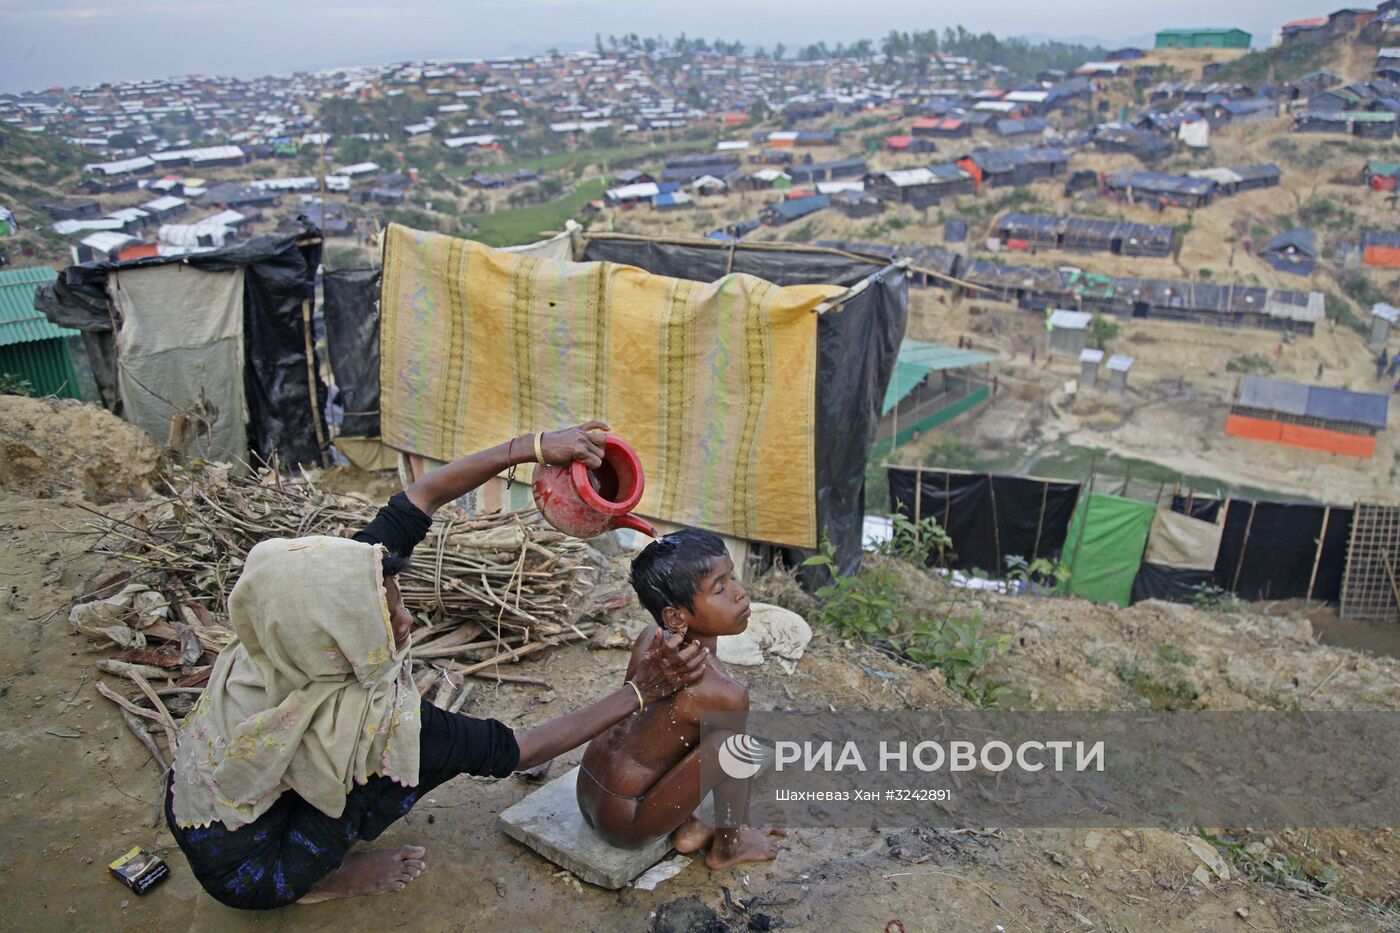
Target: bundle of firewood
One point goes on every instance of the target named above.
(486, 591)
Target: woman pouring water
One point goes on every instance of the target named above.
(311, 735)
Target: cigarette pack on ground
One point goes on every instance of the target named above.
(139, 870)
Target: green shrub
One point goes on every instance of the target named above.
(918, 543)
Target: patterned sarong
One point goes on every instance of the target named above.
(713, 384)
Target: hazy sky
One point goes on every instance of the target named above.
(48, 42)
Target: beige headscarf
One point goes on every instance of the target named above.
(314, 697)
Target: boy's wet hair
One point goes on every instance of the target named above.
(394, 564)
(669, 570)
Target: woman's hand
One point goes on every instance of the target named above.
(665, 667)
(584, 442)
(660, 671)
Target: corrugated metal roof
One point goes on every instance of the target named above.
(917, 359)
(1289, 398)
(19, 321)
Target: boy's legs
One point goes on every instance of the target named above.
(671, 802)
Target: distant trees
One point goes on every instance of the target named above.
(903, 51)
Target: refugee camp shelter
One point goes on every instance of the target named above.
(1292, 251)
(930, 386)
(919, 187)
(1383, 319)
(1067, 332)
(1230, 181)
(1118, 368)
(1159, 190)
(1380, 248)
(1381, 176)
(1085, 234)
(1314, 417)
(784, 212)
(1202, 39)
(32, 349)
(223, 335)
(997, 168)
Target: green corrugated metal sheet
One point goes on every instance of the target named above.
(917, 359)
(19, 322)
(1203, 38)
(44, 364)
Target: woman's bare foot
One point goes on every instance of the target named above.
(365, 873)
(737, 846)
(692, 835)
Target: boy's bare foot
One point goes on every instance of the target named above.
(692, 835)
(365, 873)
(735, 847)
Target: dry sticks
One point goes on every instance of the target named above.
(486, 591)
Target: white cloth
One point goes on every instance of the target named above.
(772, 630)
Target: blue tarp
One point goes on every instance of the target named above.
(1367, 408)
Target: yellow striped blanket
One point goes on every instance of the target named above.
(713, 384)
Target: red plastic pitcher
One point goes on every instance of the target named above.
(585, 503)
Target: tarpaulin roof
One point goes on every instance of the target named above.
(1299, 239)
(1293, 398)
(917, 359)
(1157, 181)
(1006, 160)
(1368, 408)
(19, 321)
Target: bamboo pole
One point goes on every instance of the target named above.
(321, 444)
(1040, 519)
(1317, 557)
(1244, 547)
(996, 520)
(1084, 518)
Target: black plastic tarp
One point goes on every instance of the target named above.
(1268, 549)
(352, 342)
(285, 415)
(856, 349)
(286, 411)
(1173, 584)
(989, 517)
(707, 263)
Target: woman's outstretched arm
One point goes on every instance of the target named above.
(454, 480)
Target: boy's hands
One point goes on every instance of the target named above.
(583, 442)
(663, 669)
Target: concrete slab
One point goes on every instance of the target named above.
(549, 822)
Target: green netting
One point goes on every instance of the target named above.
(1104, 546)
